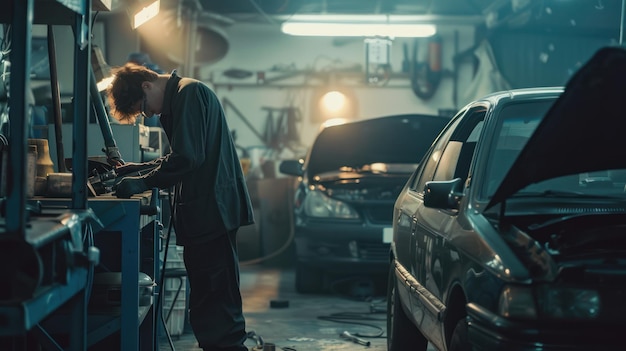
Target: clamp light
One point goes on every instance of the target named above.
(146, 13)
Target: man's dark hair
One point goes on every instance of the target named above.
(125, 90)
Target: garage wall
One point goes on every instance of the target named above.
(262, 47)
(258, 47)
(526, 59)
(64, 44)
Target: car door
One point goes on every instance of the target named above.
(451, 158)
(405, 223)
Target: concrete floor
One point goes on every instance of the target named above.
(302, 325)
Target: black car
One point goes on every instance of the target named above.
(511, 235)
(346, 188)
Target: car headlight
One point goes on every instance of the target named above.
(549, 301)
(317, 204)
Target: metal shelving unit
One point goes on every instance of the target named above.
(48, 267)
(49, 234)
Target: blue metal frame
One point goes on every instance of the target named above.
(21, 30)
(26, 314)
(123, 216)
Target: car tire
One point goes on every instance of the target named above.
(459, 341)
(309, 280)
(401, 333)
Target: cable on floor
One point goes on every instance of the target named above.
(356, 318)
(257, 338)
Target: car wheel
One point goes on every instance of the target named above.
(309, 280)
(400, 330)
(459, 341)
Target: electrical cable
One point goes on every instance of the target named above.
(5, 44)
(262, 12)
(89, 237)
(356, 318)
(162, 276)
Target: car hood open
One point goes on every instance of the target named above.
(584, 130)
(392, 139)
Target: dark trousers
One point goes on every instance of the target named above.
(215, 307)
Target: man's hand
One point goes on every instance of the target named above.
(130, 167)
(130, 186)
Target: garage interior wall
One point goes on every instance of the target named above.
(257, 47)
(525, 59)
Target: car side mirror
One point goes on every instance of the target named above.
(292, 167)
(444, 194)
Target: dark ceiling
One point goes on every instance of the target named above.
(289, 7)
(570, 17)
(543, 15)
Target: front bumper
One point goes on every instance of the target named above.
(342, 247)
(488, 331)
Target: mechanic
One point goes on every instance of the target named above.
(211, 199)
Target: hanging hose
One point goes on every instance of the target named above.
(425, 76)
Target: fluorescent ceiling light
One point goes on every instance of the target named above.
(146, 13)
(358, 25)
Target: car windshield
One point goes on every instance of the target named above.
(517, 122)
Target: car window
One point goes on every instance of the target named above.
(428, 165)
(457, 156)
(516, 123)
(452, 153)
(447, 164)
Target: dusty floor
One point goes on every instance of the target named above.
(310, 322)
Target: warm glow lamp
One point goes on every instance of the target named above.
(332, 102)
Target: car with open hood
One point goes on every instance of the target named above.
(510, 235)
(345, 190)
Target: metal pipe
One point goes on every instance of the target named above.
(192, 39)
(82, 64)
(21, 30)
(56, 101)
(227, 103)
(110, 147)
(621, 23)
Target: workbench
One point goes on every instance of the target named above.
(129, 242)
(45, 270)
